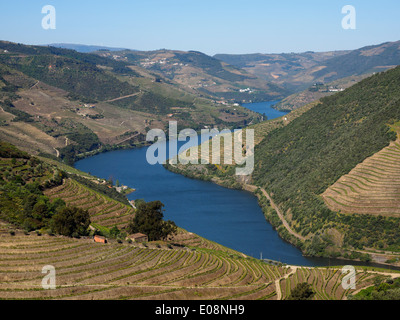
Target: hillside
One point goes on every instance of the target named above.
(66, 104)
(298, 71)
(83, 48)
(372, 187)
(92, 271)
(317, 91)
(185, 266)
(296, 166)
(201, 74)
(297, 158)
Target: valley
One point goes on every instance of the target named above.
(290, 175)
(325, 174)
(94, 103)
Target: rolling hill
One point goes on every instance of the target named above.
(340, 149)
(184, 267)
(298, 71)
(201, 74)
(66, 104)
(372, 187)
(296, 165)
(83, 48)
(93, 271)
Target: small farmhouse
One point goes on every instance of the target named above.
(138, 237)
(99, 239)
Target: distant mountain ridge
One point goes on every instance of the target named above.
(201, 74)
(297, 71)
(68, 104)
(321, 147)
(84, 48)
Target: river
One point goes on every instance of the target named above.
(229, 217)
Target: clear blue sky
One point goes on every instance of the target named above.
(217, 26)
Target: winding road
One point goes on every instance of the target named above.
(252, 188)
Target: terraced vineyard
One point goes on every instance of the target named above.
(222, 154)
(103, 210)
(372, 187)
(326, 282)
(88, 270)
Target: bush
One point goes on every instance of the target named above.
(303, 291)
(71, 222)
(148, 219)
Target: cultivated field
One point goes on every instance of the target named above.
(103, 210)
(185, 267)
(88, 270)
(372, 187)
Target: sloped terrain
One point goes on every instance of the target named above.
(185, 266)
(372, 187)
(200, 74)
(298, 71)
(75, 103)
(103, 210)
(299, 156)
(88, 270)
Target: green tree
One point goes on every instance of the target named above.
(71, 221)
(302, 291)
(149, 220)
(114, 232)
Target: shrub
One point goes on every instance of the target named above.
(71, 222)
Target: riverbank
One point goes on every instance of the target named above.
(274, 216)
(192, 203)
(224, 175)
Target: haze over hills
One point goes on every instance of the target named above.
(203, 75)
(297, 71)
(260, 77)
(84, 48)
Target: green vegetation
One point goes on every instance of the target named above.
(85, 140)
(384, 288)
(298, 71)
(152, 102)
(39, 192)
(357, 62)
(105, 189)
(47, 88)
(148, 219)
(83, 80)
(71, 222)
(209, 77)
(302, 291)
(19, 115)
(210, 65)
(297, 165)
(22, 201)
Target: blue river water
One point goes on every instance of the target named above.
(265, 108)
(230, 217)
